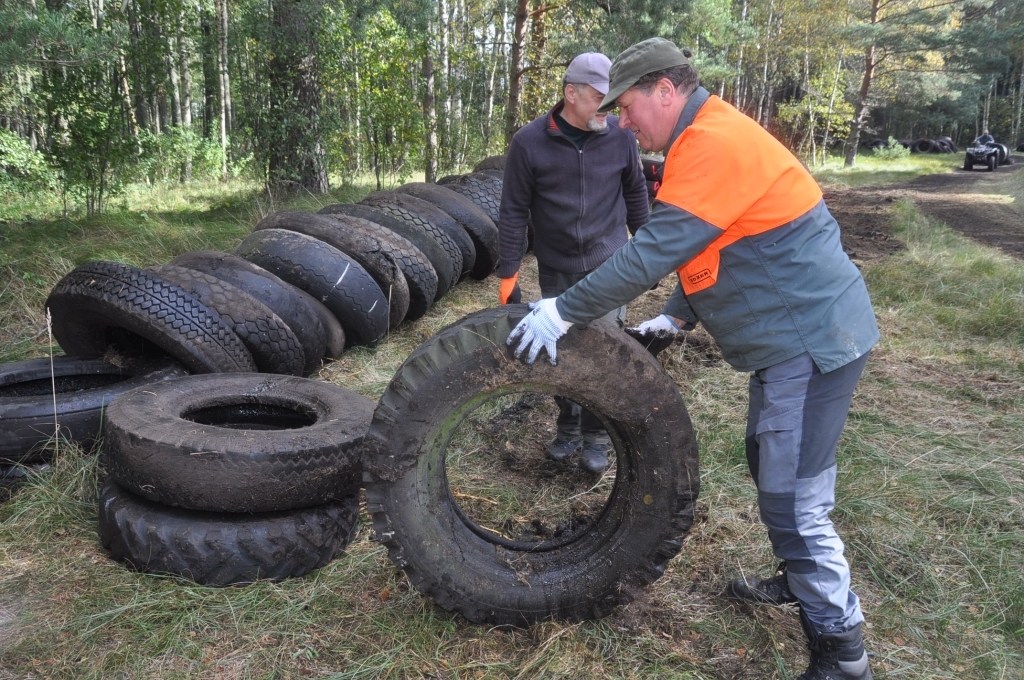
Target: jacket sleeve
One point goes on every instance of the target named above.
(516, 196)
(634, 191)
(670, 239)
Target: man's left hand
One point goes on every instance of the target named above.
(540, 329)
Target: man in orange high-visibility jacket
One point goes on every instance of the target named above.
(761, 266)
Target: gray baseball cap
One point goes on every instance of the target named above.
(636, 61)
(589, 68)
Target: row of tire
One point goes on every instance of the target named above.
(922, 145)
(301, 287)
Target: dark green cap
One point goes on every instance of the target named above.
(648, 56)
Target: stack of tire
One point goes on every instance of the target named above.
(227, 479)
(937, 145)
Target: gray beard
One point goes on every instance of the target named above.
(595, 125)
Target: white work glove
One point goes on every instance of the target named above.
(540, 329)
(660, 325)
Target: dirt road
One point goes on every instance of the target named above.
(978, 204)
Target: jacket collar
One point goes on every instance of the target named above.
(699, 97)
(552, 126)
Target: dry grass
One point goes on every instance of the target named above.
(931, 472)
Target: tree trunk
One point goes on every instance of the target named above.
(515, 69)
(223, 82)
(860, 108)
(988, 106)
(184, 72)
(1020, 105)
(831, 105)
(210, 86)
(172, 71)
(429, 113)
(295, 153)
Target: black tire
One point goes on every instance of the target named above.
(1020, 147)
(420, 277)
(364, 249)
(968, 162)
(474, 221)
(491, 163)
(992, 161)
(103, 304)
(410, 231)
(442, 228)
(483, 190)
(304, 315)
(320, 270)
(84, 389)
(1004, 154)
(449, 179)
(273, 345)
(237, 443)
(654, 167)
(488, 578)
(222, 550)
(491, 172)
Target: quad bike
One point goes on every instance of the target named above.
(982, 154)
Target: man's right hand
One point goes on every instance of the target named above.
(509, 293)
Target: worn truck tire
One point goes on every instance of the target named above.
(238, 443)
(217, 549)
(365, 250)
(411, 231)
(483, 190)
(273, 345)
(474, 221)
(442, 228)
(419, 274)
(79, 389)
(326, 273)
(102, 304)
(304, 315)
(583, 574)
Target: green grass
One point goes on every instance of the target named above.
(872, 170)
(930, 494)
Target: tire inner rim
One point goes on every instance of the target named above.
(500, 481)
(252, 416)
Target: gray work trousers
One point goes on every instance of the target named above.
(796, 416)
(574, 421)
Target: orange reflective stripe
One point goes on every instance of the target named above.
(728, 171)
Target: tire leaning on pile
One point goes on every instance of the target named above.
(99, 304)
(473, 220)
(411, 231)
(419, 274)
(365, 250)
(327, 274)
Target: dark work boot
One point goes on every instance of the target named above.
(594, 458)
(835, 656)
(774, 590)
(560, 449)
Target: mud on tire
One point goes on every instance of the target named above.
(238, 443)
(99, 304)
(221, 549)
(488, 578)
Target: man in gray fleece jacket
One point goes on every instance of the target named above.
(579, 175)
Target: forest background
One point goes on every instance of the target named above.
(98, 94)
